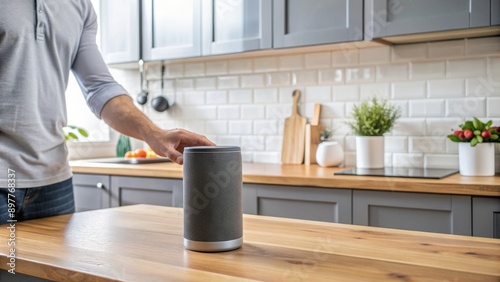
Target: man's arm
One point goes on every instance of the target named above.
(121, 114)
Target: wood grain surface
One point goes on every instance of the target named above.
(144, 243)
(292, 150)
(313, 176)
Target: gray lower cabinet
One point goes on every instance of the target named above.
(127, 190)
(486, 217)
(311, 22)
(91, 191)
(332, 205)
(413, 211)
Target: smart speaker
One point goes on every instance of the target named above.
(213, 215)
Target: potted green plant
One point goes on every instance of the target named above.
(370, 121)
(73, 133)
(476, 148)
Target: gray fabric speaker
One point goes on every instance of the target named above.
(213, 214)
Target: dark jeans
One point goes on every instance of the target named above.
(37, 202)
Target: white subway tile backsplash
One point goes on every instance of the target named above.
(427, 70)
(228, 82)
(291, 62)
(273, 143)
(265, 95)
(494, 68)
(228, 140)
(199, 112)
(194, 69)
(427, 144)
(343, 93)
(278, 111)
(242, 127)
(184, 83)
(409, 90)
(318, 60)
(253, 143)
(409, 127)
(174, 70)
(482, 87)
(445, 49)
(194, 125)
(240, 66)
(449, 88)
(441, 161)
(466, 107)
(486, 45)
(339, 127)
(442, 126)
(408, 160)
(194, 98)
(345, 57)
(266, 127)
(205, 83)
(493, 107)
(375, 55)
(285, 94)
(216, 68)
(265, 64)
(267, 157)
(427, 108)
(240, 96)
(216, 97)
(331, 76)
(333, 110)
(252, 112)
(395, 144)
(359, 74)
(466, 67)
(392, 72)
(228, 112)
(279, 79)
(379, 90)
(216, 127)
(403, 107)
(318, 94)
(349, 159)
(307, 77)
(247, 156)
(451, 147)
(252, 80)
(409, 52)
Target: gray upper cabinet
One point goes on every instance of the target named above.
(495, 12)
(91, 192)
(311, 22)
(448, 214)
(231, 26)
(120, 31)
(401, 17)
(171, 29)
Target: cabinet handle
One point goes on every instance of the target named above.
(99, 185)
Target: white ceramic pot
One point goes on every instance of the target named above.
(369, 151)
(329, 153)
(478, 160)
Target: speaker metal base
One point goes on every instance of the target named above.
(221, 246)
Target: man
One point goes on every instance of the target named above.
(40, 42)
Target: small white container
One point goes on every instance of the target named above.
(329, 153)
(369, 151)
(478, 160)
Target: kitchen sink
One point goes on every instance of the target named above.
(127, 160)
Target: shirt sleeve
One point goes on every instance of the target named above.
(92, 74)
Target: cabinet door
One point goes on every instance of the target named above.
(231, 26)
(400, 17)
(140, 190)
(310, 22)
(495, 12)
(171, 29)
(486, 217)
(332, 205)
(120, 28)
(413, 211)
(91, 192)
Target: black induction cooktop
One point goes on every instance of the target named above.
(435, 173)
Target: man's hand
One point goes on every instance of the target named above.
(122, 115)
(171, 143)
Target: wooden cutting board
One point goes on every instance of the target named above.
(313, 131)
(292, 151)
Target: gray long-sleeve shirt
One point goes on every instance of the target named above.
(40, 42)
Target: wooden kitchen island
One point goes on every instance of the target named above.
(145, 243)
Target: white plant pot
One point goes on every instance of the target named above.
(478, 160)
(329, 153)
(369, 151)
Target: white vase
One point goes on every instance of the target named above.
(329, 153)
(478, 160)
(369, 151)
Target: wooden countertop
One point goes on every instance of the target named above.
(312, 176)
(145, 243)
